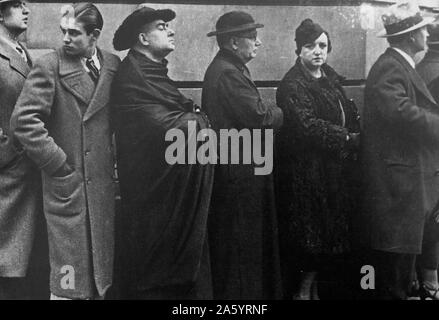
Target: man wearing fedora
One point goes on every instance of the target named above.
(163, 226)
(400, 156)
(242, 222)
(20, 185)
(62, 121)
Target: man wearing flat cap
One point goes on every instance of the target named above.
(400, 157)
(21, 207)
(62, 121)
(163, 227)
(242, 222)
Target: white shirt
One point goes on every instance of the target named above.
(405, 56)
(95, 59)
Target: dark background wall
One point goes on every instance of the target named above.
(352, 26)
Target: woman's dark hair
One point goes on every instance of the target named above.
(89, 16)
(308, 32)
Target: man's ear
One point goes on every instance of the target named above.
(233, 43)
(142, 39)
(96, 33)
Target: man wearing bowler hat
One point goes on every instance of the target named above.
(400, 157)
(242, 221)
(163, 227)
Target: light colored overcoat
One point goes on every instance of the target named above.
(20, 182)
(61, 116)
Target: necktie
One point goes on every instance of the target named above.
(94, 72)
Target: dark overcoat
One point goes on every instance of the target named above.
(61, 116)
(315, 165)
(243, 234)
(163, 223)
(400, 156)
(20, 182)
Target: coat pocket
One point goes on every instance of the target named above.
(400, 178)
(64, 196)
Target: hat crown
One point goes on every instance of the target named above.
(399, 12)
(233, 19)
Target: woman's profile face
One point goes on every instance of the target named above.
(314, 54)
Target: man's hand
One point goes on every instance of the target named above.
(63, 171)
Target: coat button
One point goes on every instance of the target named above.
(88, 180)
(87, 152)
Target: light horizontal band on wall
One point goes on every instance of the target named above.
(263, 84)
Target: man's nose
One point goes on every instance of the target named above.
(170, 32)
(258, 42)
(26, 9)
(66, 38)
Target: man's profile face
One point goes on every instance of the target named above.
(15, 16)
(76, 40)
(159, 37)
(246, 45)
(420, 38)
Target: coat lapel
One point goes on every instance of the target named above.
(414, 76)
(74, 78)
(100, 97)
(15, 60)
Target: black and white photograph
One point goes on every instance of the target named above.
(230, 152)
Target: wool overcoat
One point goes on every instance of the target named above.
(62, 116)
(400, 156)
(20, 182)
(243, 234)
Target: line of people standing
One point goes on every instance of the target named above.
(195, 231)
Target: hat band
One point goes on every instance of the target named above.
(403, 24)
(239, 28)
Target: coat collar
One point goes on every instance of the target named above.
(15, 60)
(431, 56)
(415, 78)
(227, 55)
(76, 80)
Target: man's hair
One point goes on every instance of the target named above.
(87, 14)
(223, 39)
(399, 39)
(4, 5)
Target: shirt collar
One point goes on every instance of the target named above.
(95, 59)
(405, 56)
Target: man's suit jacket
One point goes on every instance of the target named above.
(20, 182)
(62, 117)
(400, 154)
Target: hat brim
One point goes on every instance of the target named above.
(423, 23)
(126, 35)
(237, 29)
